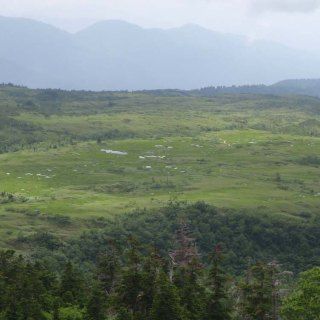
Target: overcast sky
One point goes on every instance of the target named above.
(293, 22)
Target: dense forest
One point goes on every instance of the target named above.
(184, 262)
(136, 282)
(244, 235)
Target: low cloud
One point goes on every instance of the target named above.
(304, 6)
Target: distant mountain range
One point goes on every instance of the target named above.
(116, 55)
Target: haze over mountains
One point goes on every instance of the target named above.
(115, 55)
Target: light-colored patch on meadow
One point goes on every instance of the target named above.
(120, 153)
(156, 157)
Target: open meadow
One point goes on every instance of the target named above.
(71, 158)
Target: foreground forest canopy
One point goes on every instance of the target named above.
(85, 174)
(126, 285)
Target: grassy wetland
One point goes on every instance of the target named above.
(70, 159)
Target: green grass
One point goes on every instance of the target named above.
(235, 152)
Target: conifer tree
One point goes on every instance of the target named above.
(25, 293)
(191, 291)
(217, 303)
(71, 286)
(108, 269)
(130, 290)
(256, 293)
(55, 313)
(96, 306)
(152, 265)
(166, 303)
(186, 273)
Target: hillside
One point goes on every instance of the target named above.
(73, 161)
(307, 87)
(115, 55)
(110, 195)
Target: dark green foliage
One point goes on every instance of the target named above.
(256, 293)
(26, 289)
(96, 306)
(186, 272)
(130, 289)
(108, 270)
(191, 291)
(217, 304)
(55, 311)
(311, 160)
(71, 287)
(242, 234)
(146, 289)
(124, 314)
(166, 304)
(151, 266)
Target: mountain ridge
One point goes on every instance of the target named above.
(117, 55)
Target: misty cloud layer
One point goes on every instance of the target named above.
(295, 23)
(286, 5)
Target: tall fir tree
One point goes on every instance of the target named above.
(152, 265)
(166, 303)
(96, 305)
(256, 293)
(217, 307)
(130, 288)
(191, 290)
(108, 269)
(186, 271)
(72, 286)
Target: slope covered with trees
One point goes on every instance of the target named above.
(135, 282)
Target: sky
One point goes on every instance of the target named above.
(295, 23)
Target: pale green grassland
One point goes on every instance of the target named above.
(244, 152)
